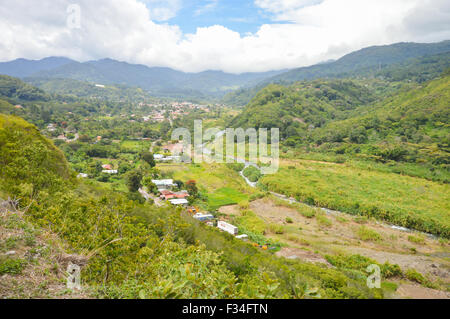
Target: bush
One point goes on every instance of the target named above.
(367, 234)
(416, 239)
(323, 221)
(12, 266)
(276, 229)
(252, 173)
(307, 212)
(413, 275)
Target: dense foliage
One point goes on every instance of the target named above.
(142, 251)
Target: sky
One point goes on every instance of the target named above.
(233, 36)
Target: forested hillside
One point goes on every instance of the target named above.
(365, 62)
(419, 69)
(134, 250)
(80, 89)
(305, 105)
(412, 126)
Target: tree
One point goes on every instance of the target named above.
(84, 138)
(151, 187)
(95, 168)
(148, 157)
(179, 183)
(191, 187)
(358, 135)
(134, 179)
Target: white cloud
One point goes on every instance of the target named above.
(162, 10)
(208, 6)
(125, 30)
(280, 6)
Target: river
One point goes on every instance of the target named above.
(292, 200)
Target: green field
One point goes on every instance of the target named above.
(220, 184)
(408, 201)
(225, 196)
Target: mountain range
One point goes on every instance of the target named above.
(159, 81)
(166, 82)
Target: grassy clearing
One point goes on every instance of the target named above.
(225, 196)
(132, 146)
(221, 184)
(367, 234)
(407, 201)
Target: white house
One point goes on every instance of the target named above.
(243, 237)
(163, 183)
(179, 201)
(110, 171)
(233, 230)
(203, 217)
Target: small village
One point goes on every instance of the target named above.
(180, 198)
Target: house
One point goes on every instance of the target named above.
(82, 175)
(167, 194)
(163, 183)
(107, 166)
(110, 171)
(203, 217)
(158, 157)
(158, 118)
(181, 194)
(233, 230)
(51, 127)
(179, 202)
(243, 237)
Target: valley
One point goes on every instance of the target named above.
(90, 171)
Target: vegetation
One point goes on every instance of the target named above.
(372, 142)
(402, 200)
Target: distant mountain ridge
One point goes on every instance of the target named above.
(20, 68)
(158, 80)
(166, 82)
(363, 62)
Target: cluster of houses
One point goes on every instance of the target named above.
(155, 117)
(162, 158)
(179, 198)
(176, 110)
(165, 187)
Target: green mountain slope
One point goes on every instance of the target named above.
(365, 62)
(413, 126)
(418, 70)
(16, 89)
(132, 250)
(28, 160)
(304, 105)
